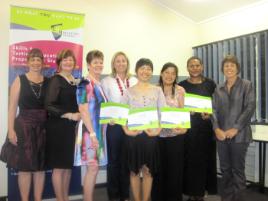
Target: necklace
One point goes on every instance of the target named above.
(70, 79)
(36, 89)
(120, 86)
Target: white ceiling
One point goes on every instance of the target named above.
(201, 10)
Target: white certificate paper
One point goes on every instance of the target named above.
(175, 118)
(198, 103)
(116, 112)
(143, 118)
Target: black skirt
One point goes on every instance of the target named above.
(60, 143)
(29, 154)
(142, 150)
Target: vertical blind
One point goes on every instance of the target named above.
(252, 53)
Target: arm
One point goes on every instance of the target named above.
(248, 108)
(180, 96)
(12, 110)
(125, 100)
(86, 118)
(52, 102)
(105, 86)
(220, 134)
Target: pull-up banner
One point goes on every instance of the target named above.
(50, 31)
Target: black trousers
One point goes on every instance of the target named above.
(167, 184)
(232, 163)
(117, 171)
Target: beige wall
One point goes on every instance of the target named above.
(243, 21)
(138, 27)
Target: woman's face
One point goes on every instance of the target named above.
(96, 66)
(67, 64)
(35, 64)
(230, 70)
(120, 64)
(144, 73)
(195, 68)
(169, 76)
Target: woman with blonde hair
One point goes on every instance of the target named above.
(114, 87)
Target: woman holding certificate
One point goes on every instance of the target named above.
(63, 115)
(168, 183)
(90, 151)
(233, 106)
(142, 145)
(114, 87)
(200, 146)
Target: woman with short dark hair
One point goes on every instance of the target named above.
(24, 149)
(200, 146)
(233, 106)
(142, 146)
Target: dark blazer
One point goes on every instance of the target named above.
(234, 109)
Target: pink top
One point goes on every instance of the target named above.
(174, 101)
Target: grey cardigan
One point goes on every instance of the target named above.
(234, 109)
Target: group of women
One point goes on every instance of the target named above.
(161, 164)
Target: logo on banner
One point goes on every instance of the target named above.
(56, 31)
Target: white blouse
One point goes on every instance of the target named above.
(112, 88)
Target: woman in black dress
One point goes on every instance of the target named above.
(25, 145)
(200, 146)
(63, 115)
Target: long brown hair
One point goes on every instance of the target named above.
(160, 81)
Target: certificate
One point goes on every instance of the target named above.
(175, 118)
(116, 112)
(143, 118)
(198, 103)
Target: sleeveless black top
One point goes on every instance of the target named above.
(32, 95)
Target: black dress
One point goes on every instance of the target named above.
(29, 125)
(60, 99)
(200, 147)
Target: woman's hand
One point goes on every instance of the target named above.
(133, 133)
(76, 116)
(220, 134)
(72, 116)
(179, 131)
(230, 133)
(94, 141)
(112, 123)
(205, 116)
(152, 131)
(12, 137)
